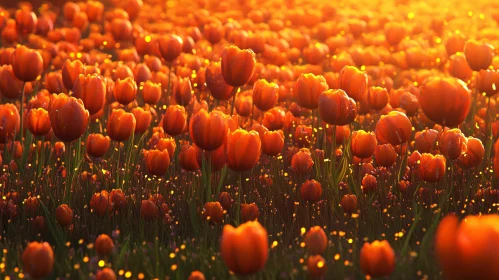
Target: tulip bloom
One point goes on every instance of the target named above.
(188, 158)
(143, 119)
(120, 125)
(307, 90)
(315, 240)
(125, 90)
(213, 212)
(68, 117)
(170, 46)
(208, 131)
(452, 143)
(244, 249)
(157, 162)
(474, 154)
(394, 128)
(363, 144)
(9, 122)
(478, 55)
(216, 84)
(249, 212)
(470, 249)
(353, 82)
(302, 162)
(174, 120)
(13, 89)
(64, 215)
(151, 93)
(71, 70)
(243, 150)
(38, 121)
(272, 142)
(435, 95)
(311, 191)
(432, 168)
(27, 64)
(183, 91)
(377, 259)
(349, 203)
(488, 82)
(385, 155)
(425, 140)
(265, 94)
(97, 145)
(238, 65)
(336, 107)
(38, 260)
(91, 89)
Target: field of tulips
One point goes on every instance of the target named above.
(249, 139)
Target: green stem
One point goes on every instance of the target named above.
(234, 93)
(238, 206)
(118, 167)
(67, 189)
(22, 114)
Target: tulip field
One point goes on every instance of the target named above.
(249, 139)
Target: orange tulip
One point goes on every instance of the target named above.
(213, 212)
(225, 200)
(169, 46)
(117, 199)
(238, 65)
(349, 203)
(121, 29)
(27, 64)
(53, 82)
(452, 143)
(249, 212)
(208, 131)
(100, 202)
(91, 89)
(120, 125)
(38, 260)
(377, 259)
(9, 122)
(432, 168)
(143, 119)
(459, 68)
(307, 90)
(468, 250)
(196, 275)
(478, 55)
(166, 144)
(394, 32)
(215, 82)
(243, 150)
(68, 117)
(302, 162)
(125, 90)
(64, 215)
(435, 95)
(316, 266)
(174, 120)
(97, 145)
(363, 144)
(148, 210)
(12, 89)
(38, 121)
(105, 274)
(183, 91)
(94, 10)
(385, 155)
(377, 98)
(188, 158)
(303, 135)
(157, 162)
(272, 142)
(103, 245)
(265, 94)
(315, 240)
(311, 191)
(353, 82)
(25, 21)
(244, 249)
(71, 70)
(217, 158)
(424, 141)
(151, 93)
(336, 108)
(488, 82)
(474, 154)
(394, 128)
(69, 10)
